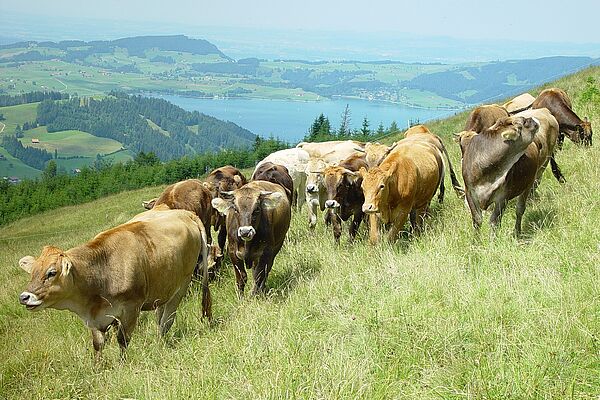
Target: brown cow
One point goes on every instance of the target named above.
(344, 194)
(498, 165)
(483, 117)
(520, 103)
(224, 179)
(402, 185)
(257, 219)
(422, 133)
(144, 264)
(558, 103)
(276, 174)
(375, 153)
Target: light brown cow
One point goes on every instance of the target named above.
(422, 134)
(498, 165)
(376, 152)
(520, 103)
(144, 264)
(483, 117)
(402, 185)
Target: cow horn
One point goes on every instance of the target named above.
(265, 193)
(226, 193)
(359, 150)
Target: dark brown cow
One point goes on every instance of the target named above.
(276, 174)
(224, 179)
(483, 117)
(498, 165)
(257, 219)
(558, 103)
(344, 194)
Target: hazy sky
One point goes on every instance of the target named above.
(538, 20)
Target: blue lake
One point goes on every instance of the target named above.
(290, 120)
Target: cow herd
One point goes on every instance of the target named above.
(148, 262)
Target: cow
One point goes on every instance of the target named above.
(520, 103)
(422, 133)
(257, 218)
(546, 140)
(332, 151)
(498, 165)
(144, 264)
(344, 194)
(483, 117)
(558, 103)
(276, 174)
(315, 191)
(224, 179)
(295, 160)
(375, 153)
(402, 185)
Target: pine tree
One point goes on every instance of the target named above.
(345, 124)
(380, 129)
(364, 130)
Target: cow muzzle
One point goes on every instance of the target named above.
(246, 233)
(332, 204)
(311, 188)
(369, 208)
(29, 300)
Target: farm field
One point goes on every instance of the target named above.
(443, 315)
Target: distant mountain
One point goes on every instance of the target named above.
(136, 46)
(485, 83)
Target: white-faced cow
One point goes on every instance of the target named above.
(558, 103)
(498, 165)
(257, 219)
(295, 160)
(144, 264)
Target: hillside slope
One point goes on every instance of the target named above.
(439, 316)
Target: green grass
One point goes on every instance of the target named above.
(444, 315)
(70, 142)
(11, 166)
(18, 115)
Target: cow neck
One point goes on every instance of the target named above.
(493, 161)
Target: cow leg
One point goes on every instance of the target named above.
(420, 215)
(260, 272)
(476, 214)
(336, 221)
(222, 237)
(127, 324)
(496, 217)
(373, 229)
(312, 213)
(442, 190)
(556, 170)
(169, 310)
(240, 277)
(560, 139)
(397, 225)
(356, 220)
(520, 210)
(98, 340)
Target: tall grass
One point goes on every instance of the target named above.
(444, 315)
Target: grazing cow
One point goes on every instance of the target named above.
(144, 264)
(332, 151)
(258, 217)
(344, 194)
(498, 165)
(423, 134)
(520, 103)
(483, 117)
(545, 139)
(224, 179)
(295, 160)
(558, 103)
(276, 174)
(402, 184)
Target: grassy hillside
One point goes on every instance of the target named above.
(440, 316)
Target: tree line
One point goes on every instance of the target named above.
(55, 190)
(31, 156)
(30, 97)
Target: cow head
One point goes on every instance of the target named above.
(375, 185)
(337, 181)
(515, 129)
(244, 209)
(314, 175)
(51, 279)
(463, 139)
(149, 204)
(376, 153)
(585, 132)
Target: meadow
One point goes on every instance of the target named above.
(448, 314)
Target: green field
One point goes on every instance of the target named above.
(11, 166)
(444, 315)
(70, 142)
(18, 115)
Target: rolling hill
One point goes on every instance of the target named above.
(444, 315)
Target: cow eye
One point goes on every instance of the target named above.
(381, 186)
(51, 273)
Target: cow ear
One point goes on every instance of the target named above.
(351, 176)
(362, 172)
(510, 134)
(26, 263)
(456, 137)
(271, 199)
(66, 266)
(237, 179)
(221, 205)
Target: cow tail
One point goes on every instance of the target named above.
(206, 298)
(458, 189)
